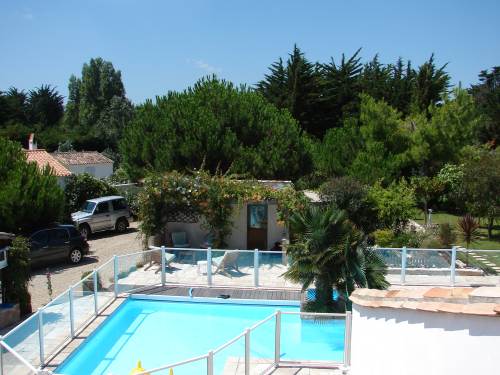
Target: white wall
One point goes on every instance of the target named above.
(97, 170)
(410, 342)
(238, 237)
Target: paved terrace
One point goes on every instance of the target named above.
(270, 275)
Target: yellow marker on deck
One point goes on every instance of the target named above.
(138, 369)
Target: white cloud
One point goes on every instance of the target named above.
(204, 66)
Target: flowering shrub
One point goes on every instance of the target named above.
(211, 197)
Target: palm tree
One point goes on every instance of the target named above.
(468, 227)
(327, 250)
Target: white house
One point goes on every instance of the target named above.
(432, 331)
(91, 162)
(42, 158)
(255, 224)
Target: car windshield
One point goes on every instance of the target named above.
(88, 207)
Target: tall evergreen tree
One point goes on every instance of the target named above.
(401, 86)
(92, 100)
(487, 96)
(45, 106)
(294, 87)
(376, 79)
(340, 88)
(431, 84)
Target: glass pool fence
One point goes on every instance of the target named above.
(38, 339)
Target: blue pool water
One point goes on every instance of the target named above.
(163, 332)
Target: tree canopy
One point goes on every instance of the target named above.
(97, 111)
(219, 126)
(29, 197)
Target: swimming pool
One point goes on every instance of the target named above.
(163, 332)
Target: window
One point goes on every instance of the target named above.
(40, 238)
(58, 236)
(102, 208)
(119, 204)
(88, 207)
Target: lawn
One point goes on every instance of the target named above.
(482, 244)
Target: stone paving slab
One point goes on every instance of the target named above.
(236, 366)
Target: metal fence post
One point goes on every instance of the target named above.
(96, 289)
(71, 312)
(163, 265)
(210, 363)
(256, 268)
(209, 266)
(247, 352)
(1, 356)
(403, 265)
(453, 265)
(115, 273)
(277, 339)
(40, 337)
(347, 338)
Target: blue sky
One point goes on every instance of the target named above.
(162, 45)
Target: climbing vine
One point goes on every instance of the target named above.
(212, 198)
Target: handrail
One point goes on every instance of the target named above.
(20, 325)
(18, 356)
(151, 247)
(245, 333)
(176, 364)
(313, 313)
(258, 324)
(108, 265)
(225, 345)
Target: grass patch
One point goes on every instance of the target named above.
(484, 243)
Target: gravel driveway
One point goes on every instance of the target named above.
(102, 246)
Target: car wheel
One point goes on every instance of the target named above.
(75, 256)
(121, 225)
(85, 231)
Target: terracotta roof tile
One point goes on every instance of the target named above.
(81, 158)
(433, 299)
(411, 294)
(446, 294)
(428, 306)
(437, 293)
(42, 158)
(455, 308)
(412, 305)
(480, 309)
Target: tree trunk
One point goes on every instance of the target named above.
(490, 227)
(324, 291)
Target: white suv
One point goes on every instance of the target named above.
(101, 214)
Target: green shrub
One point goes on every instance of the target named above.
(348, 194)
(395, 204)
(81, 187)
(446, 235)
(29, 197)
(387, 238)
(384, 237)
(16, 277)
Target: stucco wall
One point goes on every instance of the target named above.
(96, 170)
(411, 342)
(238, 238)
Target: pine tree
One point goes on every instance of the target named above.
(294, 87)
(431, 84)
